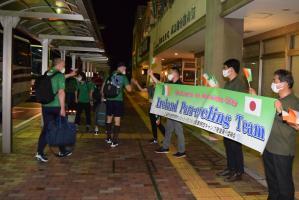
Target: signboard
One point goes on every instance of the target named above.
(239, 116)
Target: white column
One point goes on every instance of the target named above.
(8, 23)
(45, 54)
(73, 62)
(87, 68)
(83, 66)
(62, 54)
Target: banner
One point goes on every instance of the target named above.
(239, 116)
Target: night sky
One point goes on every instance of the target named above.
(118, 17)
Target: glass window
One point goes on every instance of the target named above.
(295, 71)
(274, 45)
(269, 67)
(296, 42)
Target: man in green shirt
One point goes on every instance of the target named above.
(233, 149)
(279, 154)
(54, 109)
(84, 100)
(115, 106)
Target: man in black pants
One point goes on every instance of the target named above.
(233, 149)
(280, 150)
(53, 110)
(155, 119)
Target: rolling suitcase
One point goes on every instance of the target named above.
(100, 114)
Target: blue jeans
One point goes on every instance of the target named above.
(49, 114)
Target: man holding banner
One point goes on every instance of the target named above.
(234, 153)
(279, 154)
(172, 125)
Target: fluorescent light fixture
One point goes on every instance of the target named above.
(176, 54)
(58, 10)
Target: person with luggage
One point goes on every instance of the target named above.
(113, 92)
(172, 125)
(154, 119)
(84, 100)
(50, 91)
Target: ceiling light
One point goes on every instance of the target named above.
(162, 59)
(60, 3)
(176, 54)
(58, 10)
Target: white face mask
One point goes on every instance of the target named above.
(226, 73)
(63, 70)
(170, 77)
(276, 87)
(79, 78)
(124, 72)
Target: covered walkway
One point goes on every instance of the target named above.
(131, 171)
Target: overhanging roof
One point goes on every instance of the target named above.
(56, 17)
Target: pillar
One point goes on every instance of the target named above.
(73, 62)
(84, 66)
(62, 54)
(45, 54)
(223, 39)
(8, 23)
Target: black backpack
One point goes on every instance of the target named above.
(111, 87)
(97, 93)
(44, 90)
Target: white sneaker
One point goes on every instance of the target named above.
(41, 158)
(114, 144)
(108, 141)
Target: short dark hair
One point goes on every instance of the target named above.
(176, 69)
(120, 64)
(157, 76)
(233, 63)
(285, 76)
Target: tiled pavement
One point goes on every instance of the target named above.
(132, 171)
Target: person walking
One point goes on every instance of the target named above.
(54, 109)
(84, 100)
(115, 105)
(233, 149)
(279, 154)
(154, 119)
(172, 125)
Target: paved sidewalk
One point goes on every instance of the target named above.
(131, 171)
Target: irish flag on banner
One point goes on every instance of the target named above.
(166, 90)
(248, 74)
(253, 106)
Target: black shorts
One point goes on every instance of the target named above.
(115, 108)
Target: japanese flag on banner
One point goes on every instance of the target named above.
(253, 106)
(166, 90)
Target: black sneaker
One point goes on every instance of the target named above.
(162, 150)
(179, 155)
(153, 141)
(41, 157)
(234, 177)
(65, 154)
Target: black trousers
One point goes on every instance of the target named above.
(49, 114)
(87, 108)
(234, 155)
(278, 170)
(154, 125)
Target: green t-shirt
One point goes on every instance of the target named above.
(282, 140)
(237, 84)
(84, 89)
(58, 83)
(71, 85)
(122, 81)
